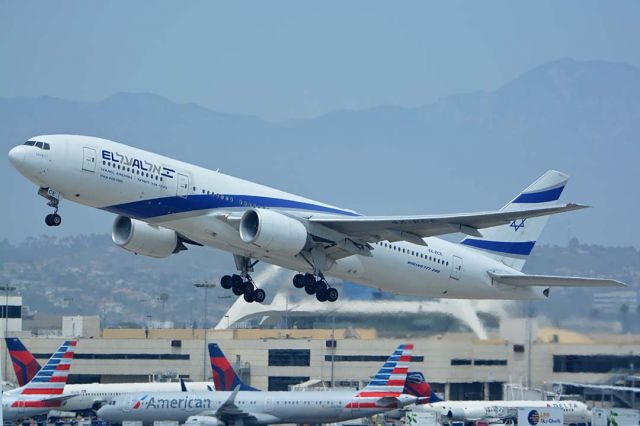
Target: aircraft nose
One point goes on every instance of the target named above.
(16, 156)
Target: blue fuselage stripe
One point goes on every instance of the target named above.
(156, 207)
(521, 248)
(540, 197)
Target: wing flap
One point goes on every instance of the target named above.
(552, 281)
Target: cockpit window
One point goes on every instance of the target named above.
(39, 145)
(45, 146)
(30, 143)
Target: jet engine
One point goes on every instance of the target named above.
(273, 231)
(466, 414)
(203, 421)
(141, 238)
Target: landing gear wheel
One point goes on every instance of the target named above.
(225, 282)
(321, 296)
(320, 286)
(249, 296)
(236, 281)
(309, 279)
(47, 219)
(55, 220)
(332, 295)
(237, 287)
(298, 280)
(259, 295)
(310, 288)
(247, 287)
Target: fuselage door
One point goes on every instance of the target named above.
(268, 404)
(183, 185)
(89, 159)
(456, 267)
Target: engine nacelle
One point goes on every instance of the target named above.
(141, 238)
(203, 421)
(273, 231)
(466, 414)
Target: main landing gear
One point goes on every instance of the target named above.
(318, 286)
(53, 219)
(243, 285)
(240, 287)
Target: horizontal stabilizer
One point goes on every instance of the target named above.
(553, 281)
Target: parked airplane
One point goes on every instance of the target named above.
(45, 391)
(226, 378)
(90, 396)
(383, 393)
(163, 204)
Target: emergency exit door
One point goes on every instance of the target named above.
(88, 159)
(456, 267)
(183, 185)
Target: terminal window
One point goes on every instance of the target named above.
(14, 311)
(289, 357)
(594, 363)
(282, 383)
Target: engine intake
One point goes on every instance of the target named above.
(273, 231)
(141, 238)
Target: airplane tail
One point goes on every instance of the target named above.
(388, 384)
(51, 378)
(224, 376)
(417, 386)
(511, 244)
(25, 365)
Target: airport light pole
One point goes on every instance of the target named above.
(6, 289)
(205, 286)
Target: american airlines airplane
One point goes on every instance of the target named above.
(163, 204)
(89, 396)
(45, 391)
(383, 393)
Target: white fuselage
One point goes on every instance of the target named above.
(472, 411)
(262, 407)
(189, 200)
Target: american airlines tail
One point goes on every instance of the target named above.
(511, 244)
(51, 378)
(25, 365)
(224, 376)
(388, 384)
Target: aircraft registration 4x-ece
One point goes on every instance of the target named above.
(163, 204)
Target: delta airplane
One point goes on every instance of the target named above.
(91, 396)
(383, 393)
(163, 204)
(45, 391)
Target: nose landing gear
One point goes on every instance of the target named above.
(318, 286)
(53, 198)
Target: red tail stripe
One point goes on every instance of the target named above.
(75, 342)
(42, 391)
(395, 383)
(63, 367)
(68, 355)
(400, 370)
(377, 394)
(405, 358)
(58, 379)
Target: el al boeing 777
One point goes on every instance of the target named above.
(163, 204)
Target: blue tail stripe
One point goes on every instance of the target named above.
(540, 196)
(510, 247)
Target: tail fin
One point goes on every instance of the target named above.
(416, 385)
(51, 378)
(511, 244)
(25, 365)
(389, 382)
(224, 376)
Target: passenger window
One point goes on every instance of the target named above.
(39, 145)
(30, 143)
(45, 146)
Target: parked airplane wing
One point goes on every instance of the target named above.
(229, 412)
(414, 228)
(553, 281)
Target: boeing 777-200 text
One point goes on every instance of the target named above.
(163, 204)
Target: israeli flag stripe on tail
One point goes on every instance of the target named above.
(511, 244)
(52, 377)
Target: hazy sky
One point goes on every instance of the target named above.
(291, 59)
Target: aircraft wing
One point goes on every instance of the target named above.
(552, 281)
(413, 228)
(229, 412)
